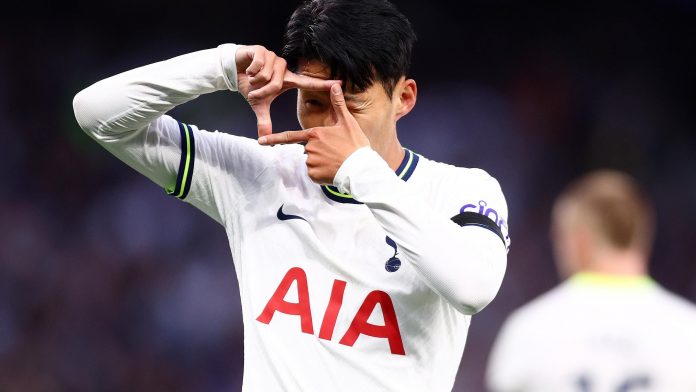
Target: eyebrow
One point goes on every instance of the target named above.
(348, 97)
(351, 98)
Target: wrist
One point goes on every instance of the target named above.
(228, 63)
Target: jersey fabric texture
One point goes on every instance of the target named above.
(598, 333)
(366, 283)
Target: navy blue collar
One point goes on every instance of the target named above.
(404, 171)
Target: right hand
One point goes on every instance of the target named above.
(262, 76)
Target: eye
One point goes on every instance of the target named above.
(313, 104)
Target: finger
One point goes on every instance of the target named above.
(286, 137)
(244, 56)
(338, 101)
(266, 73)
(258, 61)
(263, 118)
(293, 80)
(275, 86)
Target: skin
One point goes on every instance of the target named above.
(334, 124)
(579, 247)
(262, 76)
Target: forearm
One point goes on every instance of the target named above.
(133, 99)
(464, 265)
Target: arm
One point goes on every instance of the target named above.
(464, 265)
(130, 101)
(510, 360)
(126, 115)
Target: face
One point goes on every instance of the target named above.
(374, 110)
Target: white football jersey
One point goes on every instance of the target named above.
(364, 285)
(598, 333)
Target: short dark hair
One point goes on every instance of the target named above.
(361, 41)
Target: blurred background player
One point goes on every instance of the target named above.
(609, 326)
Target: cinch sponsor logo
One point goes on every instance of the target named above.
(483, 209)
(359, 325)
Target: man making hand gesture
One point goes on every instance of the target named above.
(359, 262)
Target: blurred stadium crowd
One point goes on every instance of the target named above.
(107, 283)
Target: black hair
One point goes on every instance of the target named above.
(361, 41)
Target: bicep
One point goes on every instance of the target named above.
(478, 266)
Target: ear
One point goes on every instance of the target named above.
(564, 249)
(584, 246)
(404, 97)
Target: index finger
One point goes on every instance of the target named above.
(293, 80)
(286, 137)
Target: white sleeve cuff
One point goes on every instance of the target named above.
(228, 62)
(361, 171)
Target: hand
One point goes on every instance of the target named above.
(262, 76)
(327, 147)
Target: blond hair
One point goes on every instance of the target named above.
(615, 206)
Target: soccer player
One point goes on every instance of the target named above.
(609, 327)
(359, 262)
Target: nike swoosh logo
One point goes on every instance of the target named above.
(283, 216)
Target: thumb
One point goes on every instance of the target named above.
(263, 119)
(338, 101)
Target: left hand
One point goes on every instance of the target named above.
(327, 147)
(262, 76)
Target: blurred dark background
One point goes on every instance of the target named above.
(108, 284)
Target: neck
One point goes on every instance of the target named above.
(624, 262)
(393, 153)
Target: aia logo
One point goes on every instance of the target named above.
(359, 325)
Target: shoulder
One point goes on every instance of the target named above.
(440, 171)
(470, 185)
(539, 312)
(676, 307)
(456, 190)
(524, 331)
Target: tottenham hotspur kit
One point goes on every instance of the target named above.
(368, 284)
(598, 333)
